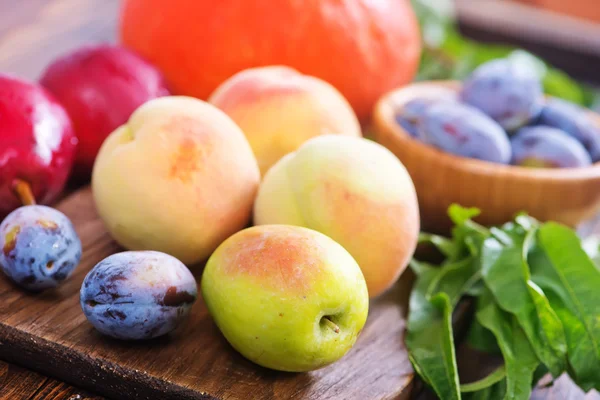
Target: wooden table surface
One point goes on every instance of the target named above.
(33, 32)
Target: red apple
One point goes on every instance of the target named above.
(100, 87)
(37, 143)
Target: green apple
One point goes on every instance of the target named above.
(286, 297)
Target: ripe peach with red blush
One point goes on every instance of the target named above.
(279, 108)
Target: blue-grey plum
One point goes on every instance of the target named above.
(463, 130)
(547, 147)
(40, 247)
(138, 294)
(409, 115)
(575, 121)
(509, 92)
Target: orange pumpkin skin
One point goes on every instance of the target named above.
(362, 47)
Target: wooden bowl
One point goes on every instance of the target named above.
(570, 196)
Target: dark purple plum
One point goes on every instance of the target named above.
(547, 147)
(40, 247)
(138, 294)
(507, 91)
(575, 121)
(465, 131)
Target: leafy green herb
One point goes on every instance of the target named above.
(563, 270)
(506, 273)
(455, 279)
(519, 358)
(536, 291)
(420, 267)
(463, 216)
(444, 245)
(430, 338)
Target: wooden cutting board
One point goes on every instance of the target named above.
(48, 332)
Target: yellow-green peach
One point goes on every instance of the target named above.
(286, 297)
(354, 191)
(279, 108)
(179, 178)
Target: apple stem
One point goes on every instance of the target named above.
(23, 191)
(331, 324)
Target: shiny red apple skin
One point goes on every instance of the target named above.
(100, 86)
(37, 142)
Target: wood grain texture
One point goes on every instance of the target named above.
(570, 196)
(55, 390)
(17, 383)
(48, 333)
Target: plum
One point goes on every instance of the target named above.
(575, 121)
(509, 92)
(409, 126)
(463, 130)
(100, 86)
(547, 147)
(39, 247)
(138, 294)
(410, 114)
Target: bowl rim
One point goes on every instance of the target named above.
(384, 118)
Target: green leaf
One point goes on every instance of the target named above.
(526, 222)
(429, 338)
(467, 235)
(455, 279)
(460, 215)
(476, 290)
(506, 273)
(419, 267)
(519, 358)
(466, 228)
(560, 266)
(497, 376)
(446, 246)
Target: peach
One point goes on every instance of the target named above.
(278, 109)
(286, 297)
(178, 177)
(352, 190)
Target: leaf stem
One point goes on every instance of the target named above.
(495, 377)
